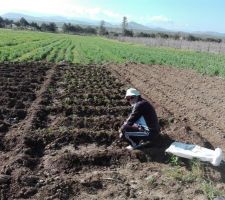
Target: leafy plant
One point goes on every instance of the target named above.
(174, 160)
(196, 173)
(210, 190)
(27, 46)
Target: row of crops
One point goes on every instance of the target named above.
(35, 46)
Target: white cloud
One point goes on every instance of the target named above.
(111, 14)
(163, 22)
(159, 19)
(79, 11)
(68, 8)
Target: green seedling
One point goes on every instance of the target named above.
(210, 190)
(174, 160)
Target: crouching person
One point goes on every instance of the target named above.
(142, 124)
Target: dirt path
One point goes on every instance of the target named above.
(194, 98)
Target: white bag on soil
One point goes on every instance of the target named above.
(194, 151)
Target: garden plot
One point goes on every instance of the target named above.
(71, 150)
(18, 83)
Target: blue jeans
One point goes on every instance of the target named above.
(136, 133)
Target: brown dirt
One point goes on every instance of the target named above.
(196, 100)
(66, 146)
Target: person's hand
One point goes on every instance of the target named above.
(120, 133)
(135, 125)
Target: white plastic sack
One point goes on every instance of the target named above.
(194, 151)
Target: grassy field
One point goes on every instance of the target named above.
(29, 46)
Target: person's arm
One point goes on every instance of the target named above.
(135, 115)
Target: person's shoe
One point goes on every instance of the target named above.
(136, 146)
(130, 148)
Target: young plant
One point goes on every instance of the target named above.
(174, 160)
(210, 190)
(196, 173)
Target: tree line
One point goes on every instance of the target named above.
(177, 36)
(24, 24)
(45, 27)
(101, 30)
(76, 29)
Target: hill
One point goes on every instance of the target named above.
(59, 20)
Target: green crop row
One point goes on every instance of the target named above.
(23, 45)
(11, 53)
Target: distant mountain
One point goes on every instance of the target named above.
(56, 19)
(136, 26)
(59, 20)
(17, 16)
(81, 21)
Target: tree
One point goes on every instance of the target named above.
(124, 25)
(69, 28)
(77, 29)
(52, 27)
(193, 38)
(65, 28)
(2, 23)
(163, 35)
(213, 40)
(177, 36)
(125, 31)
(43, 27)
(23, 22)
(8, 22)
(35, 25)
(128, 33)
(102, 29)
(90, 30)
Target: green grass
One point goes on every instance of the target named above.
(28, 46)
(196, 175)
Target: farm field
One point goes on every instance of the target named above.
(67, 146)
(36, 46)
(59, 121)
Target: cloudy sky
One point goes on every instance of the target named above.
(184, 15)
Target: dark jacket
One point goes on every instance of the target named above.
(145, 109)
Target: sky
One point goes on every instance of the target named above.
(176, 15)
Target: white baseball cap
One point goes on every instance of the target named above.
(132, 92)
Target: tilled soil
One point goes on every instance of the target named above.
(195, 99)
(67, 146)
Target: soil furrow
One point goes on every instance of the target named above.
(67, 146)
(168, 86)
